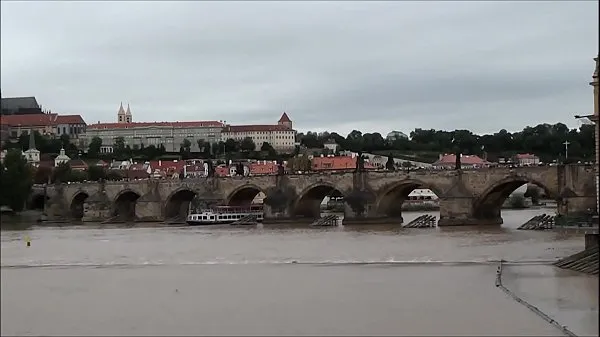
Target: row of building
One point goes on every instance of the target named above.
(22, 115)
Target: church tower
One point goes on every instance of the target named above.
(285, 121)
(121, 115)
(128, 114)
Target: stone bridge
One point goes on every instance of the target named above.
(467, 197)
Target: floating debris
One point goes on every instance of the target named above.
(586, 261)
(326, 221)
(539, 222)
(423, 221)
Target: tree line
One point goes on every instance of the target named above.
(544, 140)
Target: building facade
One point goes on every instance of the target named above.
(525, 159)
(281, 136)
(51, 125)
(137, 134)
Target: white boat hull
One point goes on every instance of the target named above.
(225, 217)
(212, 223)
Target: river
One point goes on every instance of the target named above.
(371, 280)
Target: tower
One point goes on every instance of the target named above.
(128, 114)
(32, 154)
(285, 120)
(121, 115)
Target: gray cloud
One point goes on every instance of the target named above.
(373, 66)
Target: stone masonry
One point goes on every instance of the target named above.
(467, 197)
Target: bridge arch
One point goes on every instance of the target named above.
(308, 202)
(178, 202)
(37, 201)
(243, 195)
(389, 202)
(488, 205)
(76, 205)
(124, 205)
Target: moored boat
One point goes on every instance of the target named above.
(222, 215)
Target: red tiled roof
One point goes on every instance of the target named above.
(40, 120)
(254, 128)
(284, 118)
(69, 119)
(100, 126)
(167, 165)
(78, 163)
(28, 120)
(263, 168)
(336, 163)
(448, 159)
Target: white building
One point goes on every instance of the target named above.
(331, 145)
(61, 158)
(32, 154)
(169, 134)
(396, 135)
(526, 159)
(422, 194)
(281, 136)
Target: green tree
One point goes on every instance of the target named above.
(96, 173)
(94, 147)
(185, 149)
(114, 175)
(62, 173)
(534, 193)
(231, 145)
(247, 145)
(119, 150)
(16, 179)
(299, 163)
(517, 201)
(42, 175)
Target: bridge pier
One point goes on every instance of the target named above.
(275, 215)
(56, 208)
(458, 211)
(97, 207)
(148, 211)
(149, 207)
(577, 205)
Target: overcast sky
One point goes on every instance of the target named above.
(372, 66)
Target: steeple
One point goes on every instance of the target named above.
(121, 115)
(128, 114)
(31, 140)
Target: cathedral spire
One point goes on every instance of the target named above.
(121, 110)
(31, 140)
(128, 110)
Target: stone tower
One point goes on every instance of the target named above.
(121, 115)
(128, 114)
(285, 120)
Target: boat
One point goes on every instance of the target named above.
(222, 215)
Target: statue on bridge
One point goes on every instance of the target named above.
(209, 169)
(360, 162)
(280, 167)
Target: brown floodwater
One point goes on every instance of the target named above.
(370, 280)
